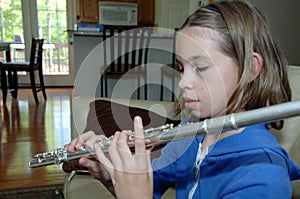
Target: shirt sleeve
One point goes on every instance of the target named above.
(266, 182)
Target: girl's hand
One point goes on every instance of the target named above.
(96, 169)
(131, 173)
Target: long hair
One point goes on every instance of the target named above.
(244, 29)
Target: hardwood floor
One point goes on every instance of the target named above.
(28, 129)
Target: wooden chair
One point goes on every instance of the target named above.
(129, 45)
(9, 72)
(170, 70)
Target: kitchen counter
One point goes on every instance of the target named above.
(164, 33)
(85, 33)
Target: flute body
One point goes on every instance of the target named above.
(166, 133)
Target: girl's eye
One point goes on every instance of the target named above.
(179, 68)
(200, 68)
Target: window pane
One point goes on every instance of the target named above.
(11, 27)
(52, 20)
(11, 23)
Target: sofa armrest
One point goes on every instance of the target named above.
(289, 135)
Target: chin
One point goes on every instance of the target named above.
(191, 113)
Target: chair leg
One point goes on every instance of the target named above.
(146, 88)
(102, 84)
(42, 85)
(105, 86)
(14, 83)
(4, 85)
(139, 87)
(33, 87)
(173, 88)
(161, 87)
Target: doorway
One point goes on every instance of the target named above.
(23, 19)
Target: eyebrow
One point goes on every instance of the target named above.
(193, 58)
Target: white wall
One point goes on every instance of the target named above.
(172, 13)
(284, 19)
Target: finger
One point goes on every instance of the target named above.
(92, 140)
(93, 167)
(114, 153)
(71, 146)
(80, 140)
(124, 150)
(122, 144)
(90, 164)
(103, 159)
(139, 140)
(141, 156)
(66, 146)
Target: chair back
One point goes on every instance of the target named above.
(36, 53)
(174, 64)
(126, 48)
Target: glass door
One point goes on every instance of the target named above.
(20, 20)
(52, 26)
(11, 28)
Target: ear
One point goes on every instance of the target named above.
(257, 62)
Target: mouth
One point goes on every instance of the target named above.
(190, 103)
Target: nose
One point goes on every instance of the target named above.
(184, 82)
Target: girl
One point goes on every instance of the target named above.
(230, 63)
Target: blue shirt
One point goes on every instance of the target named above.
(250, 164)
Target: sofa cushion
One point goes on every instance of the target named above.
(108, 117)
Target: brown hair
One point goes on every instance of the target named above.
(244, 30)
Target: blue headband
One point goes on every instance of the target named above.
(212, 8)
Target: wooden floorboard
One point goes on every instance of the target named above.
(28, 129)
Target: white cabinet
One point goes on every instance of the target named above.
(173, 13)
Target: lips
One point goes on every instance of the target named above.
(190, 103)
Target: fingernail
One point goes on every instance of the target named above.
(137, 118)
(82, 162)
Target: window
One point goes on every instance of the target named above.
(51, 23)
(11, 11)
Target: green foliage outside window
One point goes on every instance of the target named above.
(52, 26)
(52, 21)
(10, 19)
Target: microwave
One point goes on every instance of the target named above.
(118, 13)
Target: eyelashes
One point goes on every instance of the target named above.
(180, 69)
(198, 69)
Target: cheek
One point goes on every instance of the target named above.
(223, 80)
(218, 91)
(215, 83)
(230, 82)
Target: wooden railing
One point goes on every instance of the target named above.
(55, 57)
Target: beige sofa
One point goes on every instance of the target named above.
(84, 186)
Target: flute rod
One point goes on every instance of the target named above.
(236, 120)
(167, 133)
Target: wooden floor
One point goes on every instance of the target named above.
(28, 129)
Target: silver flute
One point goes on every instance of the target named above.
(166, 133)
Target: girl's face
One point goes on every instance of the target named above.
(209, 77)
